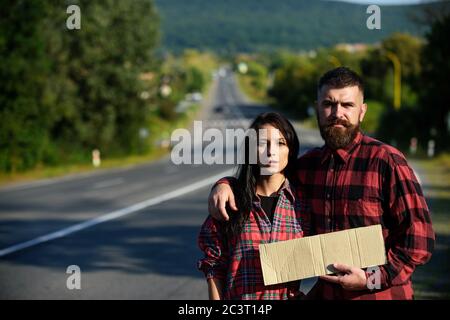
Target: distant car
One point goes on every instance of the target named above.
(197, 97)
(218, 109)
(222, 72)
(194, 97)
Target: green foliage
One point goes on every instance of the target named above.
(183, 75)
(424, 112)
(372, 120)
(408, 49)
(294, 86)
(258, 73)
(78, 86)
(295, 82)
(425, 67)
(378, 69)
(436, 84)
(195, 80)
(268, 25)
(23, 70)
(397, 127)
(255, 81)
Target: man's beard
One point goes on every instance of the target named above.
(338, 138)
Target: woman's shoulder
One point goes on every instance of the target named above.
(290, 189)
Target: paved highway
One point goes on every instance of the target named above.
(132, 231)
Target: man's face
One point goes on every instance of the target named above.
(339, 113)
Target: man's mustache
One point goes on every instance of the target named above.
(342, 122)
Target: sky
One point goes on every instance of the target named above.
(385, 2)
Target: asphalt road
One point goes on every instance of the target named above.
(135, 228)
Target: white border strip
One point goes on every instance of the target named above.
(114, 215)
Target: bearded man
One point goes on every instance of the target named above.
(355, 181)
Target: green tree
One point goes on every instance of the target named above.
(195, 80)
(436, 84)
(23, 72)
(258, 73)
(65, 92)
(104, 60)
(378, 69)
(294, 86)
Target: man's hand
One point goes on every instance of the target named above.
(218, 198)
(351, 278)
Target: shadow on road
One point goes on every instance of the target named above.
(431, 281)
(162, 240)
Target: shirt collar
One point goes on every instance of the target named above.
(344, 153)
(287, 188)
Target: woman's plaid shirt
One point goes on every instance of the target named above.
(236, 261)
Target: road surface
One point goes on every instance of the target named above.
(131, 231)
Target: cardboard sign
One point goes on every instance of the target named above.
(313, 256)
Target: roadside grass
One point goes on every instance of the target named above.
(45, 172)
(432, 281)
(157, 152)
(252, 93)
(161, 128)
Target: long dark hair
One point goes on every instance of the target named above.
(247, 174)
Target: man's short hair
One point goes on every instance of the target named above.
(339, 78)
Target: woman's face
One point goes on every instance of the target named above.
(273, 151)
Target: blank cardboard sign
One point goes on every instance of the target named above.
(307, 257)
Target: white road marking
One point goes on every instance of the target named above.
(115, 214)
(108, 183)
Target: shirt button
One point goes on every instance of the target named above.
(328, 196)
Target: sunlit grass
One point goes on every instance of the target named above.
(436, 183)
(43, 172)
(255, 95)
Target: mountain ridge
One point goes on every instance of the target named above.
(265, 25)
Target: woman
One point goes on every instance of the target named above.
(268, 212)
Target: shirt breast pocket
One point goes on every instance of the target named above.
(364, 211)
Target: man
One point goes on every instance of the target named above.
(355, 181)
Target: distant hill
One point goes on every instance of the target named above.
(252, 25)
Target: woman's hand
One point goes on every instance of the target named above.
(214, 289)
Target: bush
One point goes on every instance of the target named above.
(373, 116)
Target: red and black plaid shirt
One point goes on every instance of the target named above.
(364, 184)
(236, 261)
